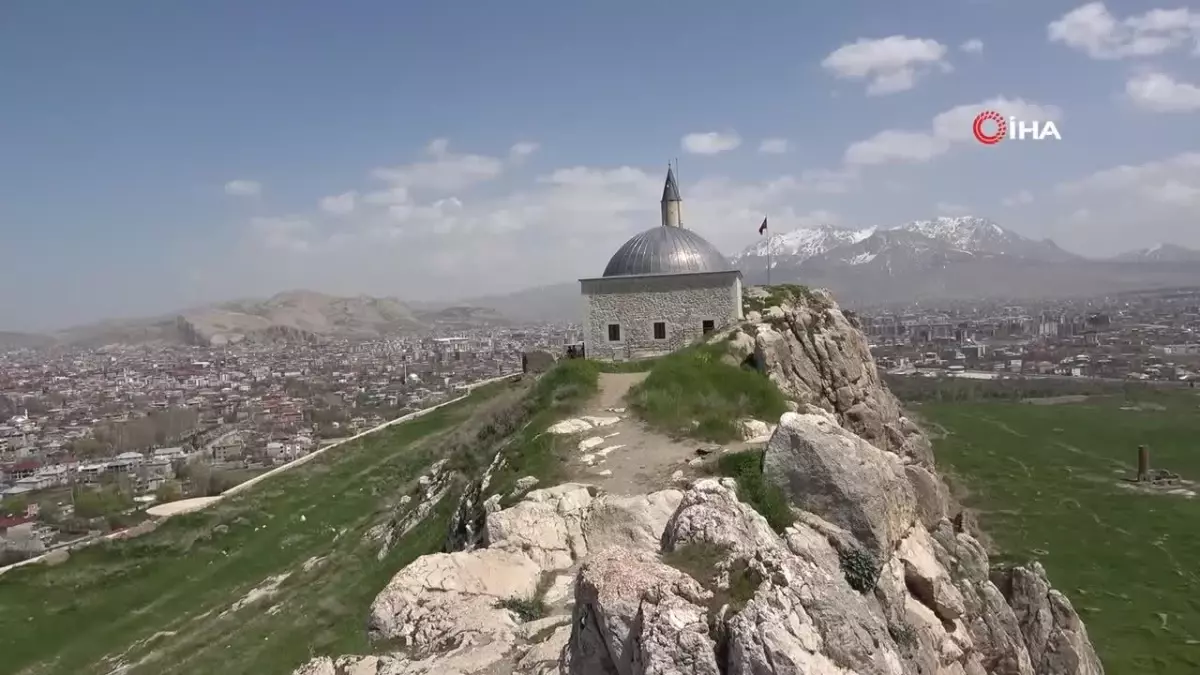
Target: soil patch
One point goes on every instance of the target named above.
(627, 457)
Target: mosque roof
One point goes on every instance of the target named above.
(666, 250)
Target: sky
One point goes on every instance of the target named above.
(156, 156)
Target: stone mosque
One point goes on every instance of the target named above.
(662, 290)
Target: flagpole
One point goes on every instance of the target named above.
(770, 241)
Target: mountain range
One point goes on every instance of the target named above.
(286, 317)
(958, 258)
(954, 259)
(942, 259)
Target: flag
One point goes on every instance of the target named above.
(762, 229)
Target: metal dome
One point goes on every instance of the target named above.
(666, 250)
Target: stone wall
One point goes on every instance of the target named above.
(683, 302)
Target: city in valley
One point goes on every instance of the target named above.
(92, 437)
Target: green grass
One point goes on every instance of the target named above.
(694, 393)
(753, 488)
(1044, 479)
(558, 393)
(157, 601)
(778, 294)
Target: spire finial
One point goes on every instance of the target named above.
(671, 201)
(671, 188)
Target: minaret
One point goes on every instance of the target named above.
(672, 205)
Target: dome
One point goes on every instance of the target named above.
(666, 250)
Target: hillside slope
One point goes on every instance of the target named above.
(261, 581)
(834, 549)
(471, 541)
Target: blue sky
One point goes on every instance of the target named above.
(156, 155)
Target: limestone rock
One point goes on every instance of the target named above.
(559, 525)
(579, 425)
(468, 587)
(931, 495)
(740, 347)
(840, 477)
(710, 513)
(634, 614)
(817, 356)
(752, 428)
(1057, 640)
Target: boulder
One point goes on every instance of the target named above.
(831, 472)
(634, 614)
(1057, 640)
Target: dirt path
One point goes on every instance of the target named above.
(626, 457)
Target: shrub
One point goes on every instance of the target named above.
(860, 569)
(528, 609)
(754, 489)
(778, 295)
(693, 392)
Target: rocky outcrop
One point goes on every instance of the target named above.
(817, 356)
(879, 574)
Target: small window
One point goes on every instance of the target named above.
(660, 330)
(707, 327)
(614, 332)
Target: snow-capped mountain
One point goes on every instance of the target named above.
(804, 243)
(954, 237)
(1160, 253)
(980, 235)
(892, 250)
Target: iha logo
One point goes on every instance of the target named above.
(990, 128)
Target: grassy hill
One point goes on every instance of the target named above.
(1046, 480)
(169, 601)
(265, 580)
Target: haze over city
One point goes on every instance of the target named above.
(154, 159)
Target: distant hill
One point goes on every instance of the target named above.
(933, 260)
(287, 317)
(542, 304)
(964, 258)
(15, 340)
(1160, 253)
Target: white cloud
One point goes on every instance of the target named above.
(711, 142)
(1171, 183)
(951, 209)
(243, 188)
(896, 146)
(1133, 205)
(773, 146)
(442, 172)
(1021, 198)
(892, 64)
(1093, 30)
(449, 244)
(522, 150)
(1158, 92)
(340, 205)
(287, 233)
(972, 46)
(947, 129)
